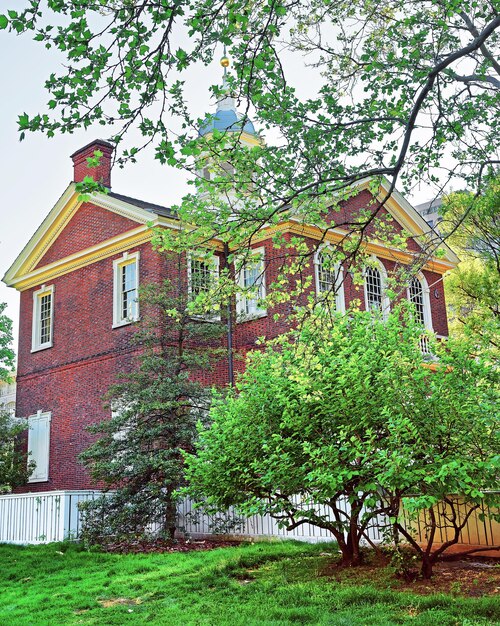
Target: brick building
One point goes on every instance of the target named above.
(79, 274)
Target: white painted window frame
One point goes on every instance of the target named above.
(36, 344)
(386, 303)
(241, 298)
(339, 279)
(37, 476)
(212, 258)
(426, 301)
(127, 259)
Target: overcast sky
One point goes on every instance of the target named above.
(35, 172)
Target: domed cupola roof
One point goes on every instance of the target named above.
(227, 119)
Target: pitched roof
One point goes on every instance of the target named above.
(157, 209)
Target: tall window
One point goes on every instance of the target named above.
(252, 284)
(417, 299)
(373, 288)
(375, 295)
(126, 286)
(203, 271)
(329, 283)
(43, 317)
(418, 295)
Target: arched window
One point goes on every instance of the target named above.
(375, 288)
(418, 295)
(329, 278)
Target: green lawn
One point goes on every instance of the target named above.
(260, 584)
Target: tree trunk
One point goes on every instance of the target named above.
(170, 521)
(351, 556)
(426, 569)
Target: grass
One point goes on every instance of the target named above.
(273, 584)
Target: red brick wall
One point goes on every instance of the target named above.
(70, 378)
(83, 314)
(438, 302)
(88, 227)
(349, 213)
(73, 393)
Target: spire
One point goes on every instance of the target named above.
(226, 103)
(225, 64)
(226, 117)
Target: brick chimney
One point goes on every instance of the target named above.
(102, 173)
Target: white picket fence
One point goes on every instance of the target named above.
(262, 526)
(41, 517)
(54, 516)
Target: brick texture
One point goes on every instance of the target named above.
(101, 173)
(90, 226)
(71, 378)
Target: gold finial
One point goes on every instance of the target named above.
(225, 63)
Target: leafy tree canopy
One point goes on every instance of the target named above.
(348, 413)
(473, 288)
(7, 356)
(408, 90)
(14, 466)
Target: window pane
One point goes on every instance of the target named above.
(45, 318)
(327, 275)
(417, 298)
(129, 291)
(201, 276)
(252, 278)
(373, 289)
(129, 276)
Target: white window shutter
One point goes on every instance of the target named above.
(38, 446)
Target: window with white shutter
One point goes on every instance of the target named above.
(38, 446)
(418, 295)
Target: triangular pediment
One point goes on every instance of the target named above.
(414, 224)
(424, 238)
(424, 246)
(75, 228)
(88, 226)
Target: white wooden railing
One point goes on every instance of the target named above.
(263, 526)
(41, 517)
(33, 518)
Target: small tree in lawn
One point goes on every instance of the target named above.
(14, 468)
(347, 412)
(139, 454)
(442, 453)
(7, 356)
